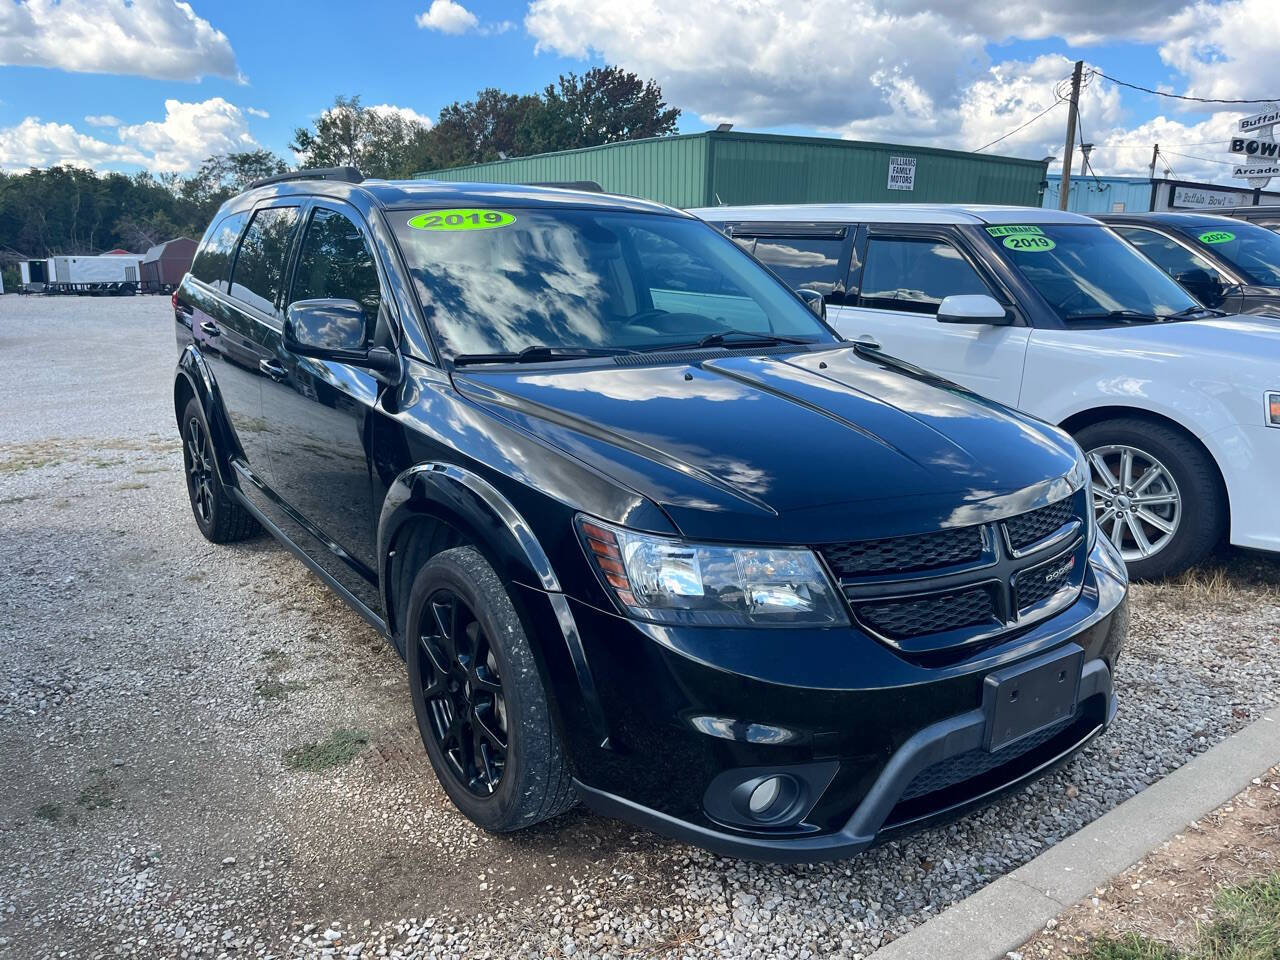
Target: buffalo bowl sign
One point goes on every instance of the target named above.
(1257, 159)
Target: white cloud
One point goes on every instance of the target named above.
(406, 113)
(103, 120)
(447, 17)
(152, 38)
(188, 133)
(1226, 50)
(255, 112)
(33, 143)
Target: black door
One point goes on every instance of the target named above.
(320, 411)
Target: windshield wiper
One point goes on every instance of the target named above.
(1195, 311)
(744, 338)
(1127, 316)
(538, 353)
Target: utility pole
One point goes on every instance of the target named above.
(1155, 155)
(1073, 107)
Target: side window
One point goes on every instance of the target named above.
(258, 276)
(336, 263)
(810, 263)
(212, 261)
(1167, 254)
(915, 274)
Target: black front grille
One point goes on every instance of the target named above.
(936, 613)
(925, 551)
(1028, 528)
(1039, 583)
(966, 766)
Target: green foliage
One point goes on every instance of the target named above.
(1247, 928)
(339, 749)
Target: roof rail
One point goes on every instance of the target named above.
(590, 186)
(344, 174)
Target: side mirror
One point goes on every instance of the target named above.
(815, 302)
(335, 330)
(973, 308)
(1202, 285)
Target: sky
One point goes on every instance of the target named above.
(159, 84)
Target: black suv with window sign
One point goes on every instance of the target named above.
(1227, 264)
(646, 531)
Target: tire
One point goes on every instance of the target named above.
(1188, 480)
(220, 518)
(475, 687)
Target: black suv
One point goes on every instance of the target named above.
(1227, 264)
(646, 531)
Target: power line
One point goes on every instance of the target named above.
(1229, 163)
(1056, 103)
(1175, 96)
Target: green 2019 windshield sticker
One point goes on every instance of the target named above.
(1217, 236)
(1013, 229)
(1029, 243)
(462, 219)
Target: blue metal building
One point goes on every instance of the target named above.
(1090, 194)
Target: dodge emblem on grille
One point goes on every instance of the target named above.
(1055, 575)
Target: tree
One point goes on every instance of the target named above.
(380, 143)
(486, 128)
(604, 105)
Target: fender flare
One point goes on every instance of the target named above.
(193, 372)
(465, 500)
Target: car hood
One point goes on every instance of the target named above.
(1236, 337)
(813, 447)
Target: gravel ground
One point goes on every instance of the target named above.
(153, 686)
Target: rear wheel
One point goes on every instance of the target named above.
(1156, 495)
(481, 707)
(220, 518)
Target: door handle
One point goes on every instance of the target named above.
(209, 328)
(272, 369)
(867, 340)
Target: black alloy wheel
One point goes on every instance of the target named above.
(197, 452)
(463, 693)
(483, 713)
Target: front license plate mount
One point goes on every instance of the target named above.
(1024, 699)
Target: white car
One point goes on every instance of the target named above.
(1177, 405)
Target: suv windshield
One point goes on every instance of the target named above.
(503, 281)
(1085, 272)
(1253, 250)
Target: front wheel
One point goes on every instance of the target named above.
(479, 700)
(1156, 495)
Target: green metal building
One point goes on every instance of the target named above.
(713, 168)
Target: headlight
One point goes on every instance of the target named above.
(674, 581)
(1273, 409)
(1083, 479)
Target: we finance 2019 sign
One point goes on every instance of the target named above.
(1257, 158)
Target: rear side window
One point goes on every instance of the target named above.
(805, 263)
(260, 264)
(336, 262)
(212, 261)
(915, 275)
(1167, 254)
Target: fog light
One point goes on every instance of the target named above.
(764, 796)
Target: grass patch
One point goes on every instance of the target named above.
(1247, 928)
(337, 750)
(273, 689)
(49, 812)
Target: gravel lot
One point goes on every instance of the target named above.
(152, 686)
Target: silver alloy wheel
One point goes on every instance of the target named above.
(1135, 499)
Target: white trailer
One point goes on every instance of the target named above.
(109, 274)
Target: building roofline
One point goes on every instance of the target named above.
(743, 136)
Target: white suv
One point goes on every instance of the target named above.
(1178, 406)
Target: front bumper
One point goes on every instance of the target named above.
(684, 709)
